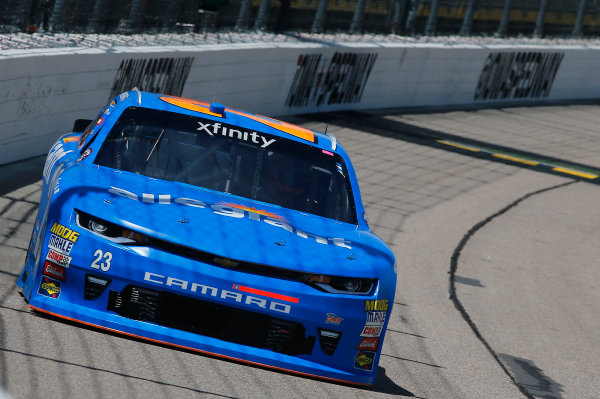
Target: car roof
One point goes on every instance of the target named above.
(232, 116)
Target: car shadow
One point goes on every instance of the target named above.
(20, 174)
(384, 384)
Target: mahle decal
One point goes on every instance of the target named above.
(376, 318)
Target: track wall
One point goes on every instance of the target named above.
(43, 91)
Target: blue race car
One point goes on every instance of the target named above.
(216, 230)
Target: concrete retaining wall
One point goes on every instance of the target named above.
(43, 91)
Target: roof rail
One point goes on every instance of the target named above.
(139, 93)
(333, 141)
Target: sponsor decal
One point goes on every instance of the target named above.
(52, 270)
(199, 106)
(107, 111)
(340, 80)
(100, 121)
(60, 244)
(113, 103)
(70, 139)
(55, 154)
(332, 318)
(58, 258)
(376, 318)
(508, 75)
(157, 75)
(340, 169)
(217, 128)
(371, 331)
(233, 212)
(57, 186)
(370, 344)
(85, 154)
(49, 287)
(364, 360)
(217, 293)
(64, 232)
(379, 304)
(125, 95)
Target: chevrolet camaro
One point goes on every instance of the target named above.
(215, 230)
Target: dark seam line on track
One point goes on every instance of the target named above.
(454, 265)
(15, 310)
(15, 275)
(413, 361)
(114, 372)
(406, 333)
(23, 200)
(433, 138)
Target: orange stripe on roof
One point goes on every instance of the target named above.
(196, 350)
(288, 128)
(192, 105)
(200, 106)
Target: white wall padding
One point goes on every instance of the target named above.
(43, 91)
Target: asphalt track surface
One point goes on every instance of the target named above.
(498, 286)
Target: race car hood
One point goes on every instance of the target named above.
(234, 227)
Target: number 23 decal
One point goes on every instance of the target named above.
(98, 263)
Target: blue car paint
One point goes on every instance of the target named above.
(312, 244)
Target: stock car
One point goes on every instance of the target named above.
(215, 230)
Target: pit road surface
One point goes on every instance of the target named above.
(497, 280)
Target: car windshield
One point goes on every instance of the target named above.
(231, 159)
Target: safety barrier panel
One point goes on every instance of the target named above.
(43, 91)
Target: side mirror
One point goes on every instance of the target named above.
(80, 125)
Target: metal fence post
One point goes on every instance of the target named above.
(578, 28)
(20, 15)
(56, 18)
(243, 18)
(318, 25)
(96, 19)
(263, 15)
(539, 24)
(465, 29)
(358, 18)
(135, 15)
(399, 16)
(503, 28)
(411, 18)
(432, 19)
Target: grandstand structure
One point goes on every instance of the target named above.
(496, 18)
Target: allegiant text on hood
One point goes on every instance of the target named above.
(230, 211)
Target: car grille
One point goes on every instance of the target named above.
(211, 319)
